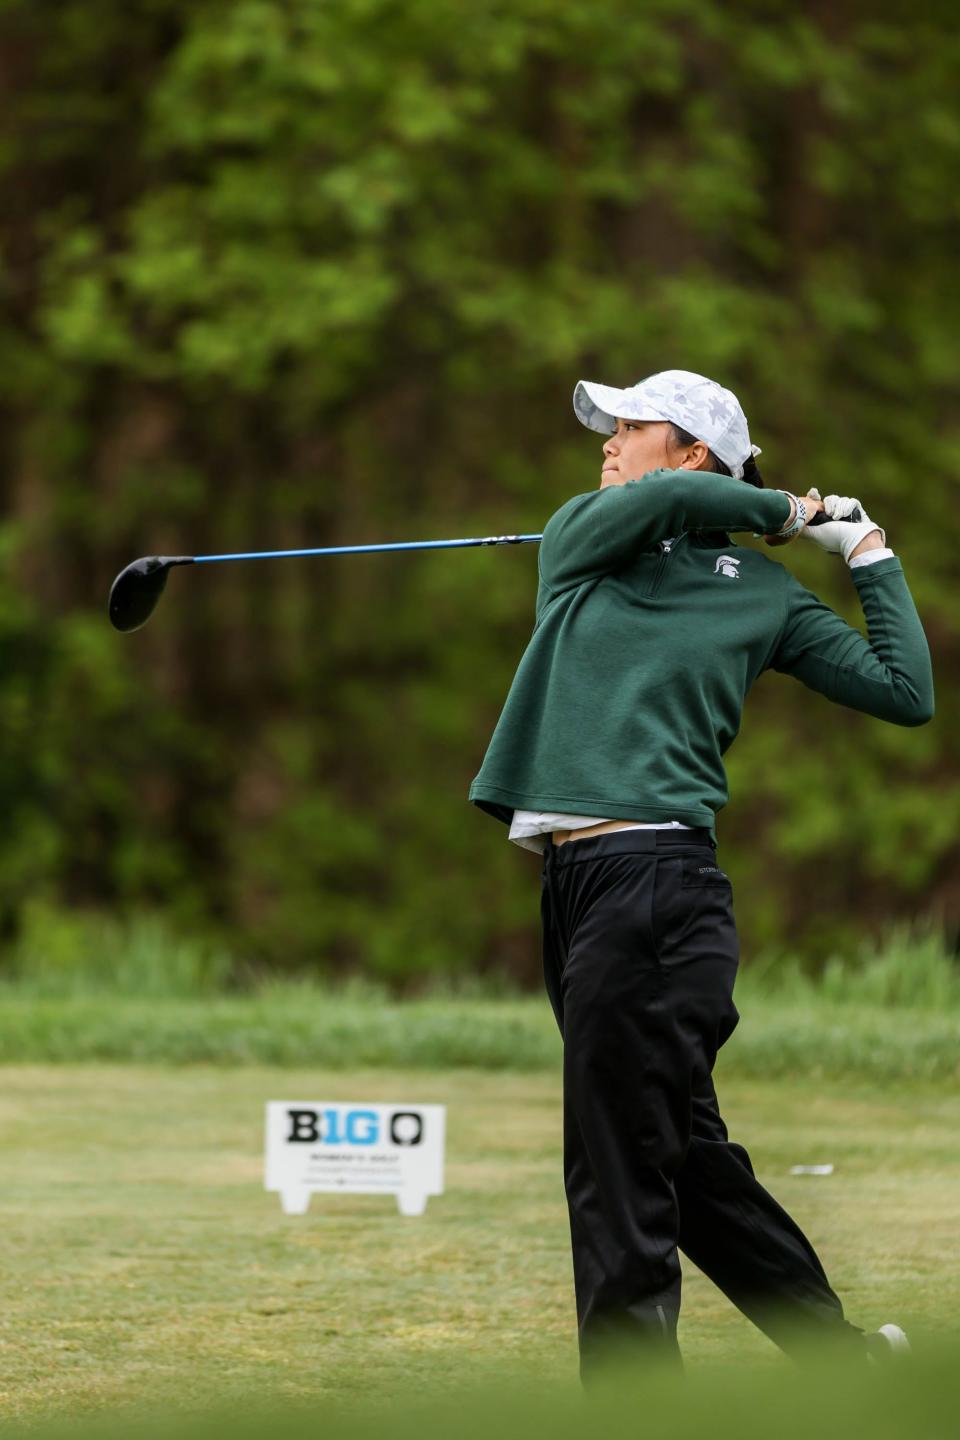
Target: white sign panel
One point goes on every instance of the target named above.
(354, 1149)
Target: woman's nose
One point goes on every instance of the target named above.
(610, 446)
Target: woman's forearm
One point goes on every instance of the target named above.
(598, 533)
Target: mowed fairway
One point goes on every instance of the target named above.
(143, 1262)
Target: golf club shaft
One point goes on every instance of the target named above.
(372, 549)
(367, 549)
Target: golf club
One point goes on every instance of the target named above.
(136, 590)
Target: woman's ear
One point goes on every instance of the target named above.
(695, 457)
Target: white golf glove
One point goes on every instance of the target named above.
(843, 537)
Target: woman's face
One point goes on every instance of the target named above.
(642, 445)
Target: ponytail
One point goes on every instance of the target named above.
(751, 472)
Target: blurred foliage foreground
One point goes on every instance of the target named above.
(277, 275)
(828, 1397)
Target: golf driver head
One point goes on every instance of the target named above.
(136, 590)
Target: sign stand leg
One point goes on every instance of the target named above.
(295, 1202)
(411, 1202)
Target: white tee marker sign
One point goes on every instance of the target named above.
(344, 1148)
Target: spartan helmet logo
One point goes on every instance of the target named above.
(727, 565)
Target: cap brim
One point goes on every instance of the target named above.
(597, 406)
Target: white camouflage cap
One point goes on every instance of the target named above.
(698, 405)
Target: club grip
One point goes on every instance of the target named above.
(854, 518)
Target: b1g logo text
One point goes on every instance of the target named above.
(338, 1126)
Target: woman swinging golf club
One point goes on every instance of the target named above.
(651, 626)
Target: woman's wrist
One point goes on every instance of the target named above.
(797, 518)
(874, 541)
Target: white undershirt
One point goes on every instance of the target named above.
(529, 828)
(869, 556)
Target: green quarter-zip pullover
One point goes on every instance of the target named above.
(632, 685)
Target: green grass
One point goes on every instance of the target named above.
(145, 1266)
(799, 1033)
(909, 969)
(74, 953)
(84, 987)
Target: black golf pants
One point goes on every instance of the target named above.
(640, 954)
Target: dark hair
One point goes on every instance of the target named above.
(751, 472)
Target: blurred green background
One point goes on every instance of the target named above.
(280, 274)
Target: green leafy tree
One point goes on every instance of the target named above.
(282, 274)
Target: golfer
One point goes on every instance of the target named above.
(651, 626)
